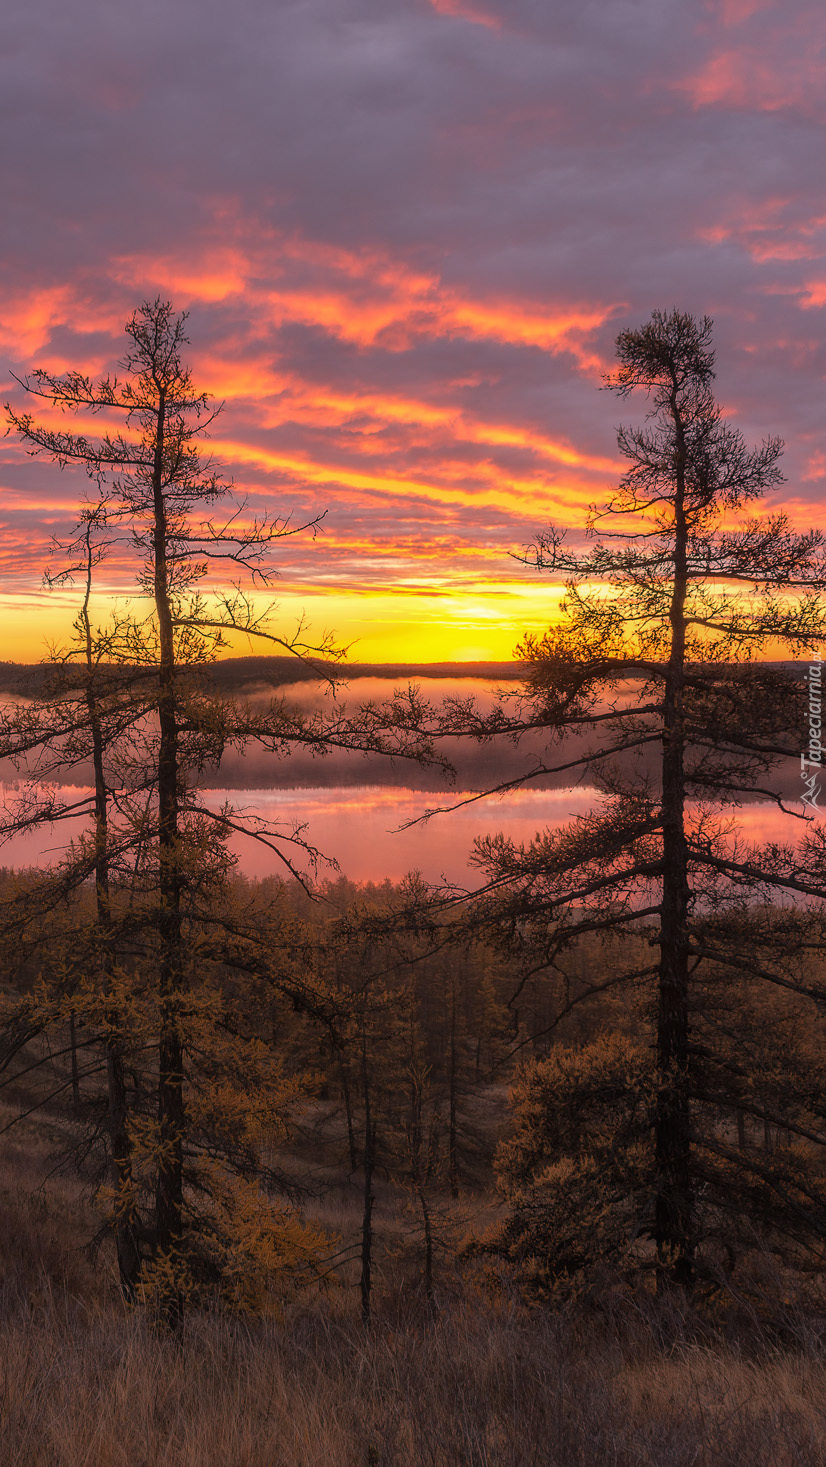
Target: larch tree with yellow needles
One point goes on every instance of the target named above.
(650, 689)
(132, 698)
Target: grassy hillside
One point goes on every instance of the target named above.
(472, 1377)
(470, 1380)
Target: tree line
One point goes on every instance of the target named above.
(660, 974)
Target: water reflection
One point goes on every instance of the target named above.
(353, 805)
(359, 827)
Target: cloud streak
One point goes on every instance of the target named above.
(407, 236)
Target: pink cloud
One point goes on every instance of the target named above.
(464, 11)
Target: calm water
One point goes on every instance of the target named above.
(359, 826)
(354, 807)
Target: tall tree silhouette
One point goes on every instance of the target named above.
(158, 490)
(650, 679)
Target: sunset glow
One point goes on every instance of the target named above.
(407, 238)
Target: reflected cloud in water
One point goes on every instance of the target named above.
(362, 828)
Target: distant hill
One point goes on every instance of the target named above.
(233, 674)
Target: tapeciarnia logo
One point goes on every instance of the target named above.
(811, 762)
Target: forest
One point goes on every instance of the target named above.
(298, 1169)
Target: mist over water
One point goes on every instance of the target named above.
(357, 810)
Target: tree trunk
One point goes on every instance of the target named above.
(125, 1214)
(673, 1215)
(73, 1054)
(367, 1212)
(348, 1110)
(125, 1220)
(452, 1146)
(171, 1116)
(428, 1238)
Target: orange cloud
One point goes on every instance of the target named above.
(464, 11)
(398, 317)
(369, 414)
(776, 228)
(753, 81)
(223, 273)
(815, 468)
(776, 62)
(503, 491)
(416, 466)
(815, 294)
(378, 302)
(28, 320)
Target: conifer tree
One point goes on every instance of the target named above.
(140, 710)
(650, 688)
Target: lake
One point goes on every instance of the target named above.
(359, 827)
(355, 807)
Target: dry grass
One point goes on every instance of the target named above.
(468, 1383)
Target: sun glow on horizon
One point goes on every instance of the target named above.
(404, 624)
(424, 493)
(370, 395)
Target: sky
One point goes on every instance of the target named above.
(407, 233)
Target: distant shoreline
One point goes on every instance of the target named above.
(232, 674)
